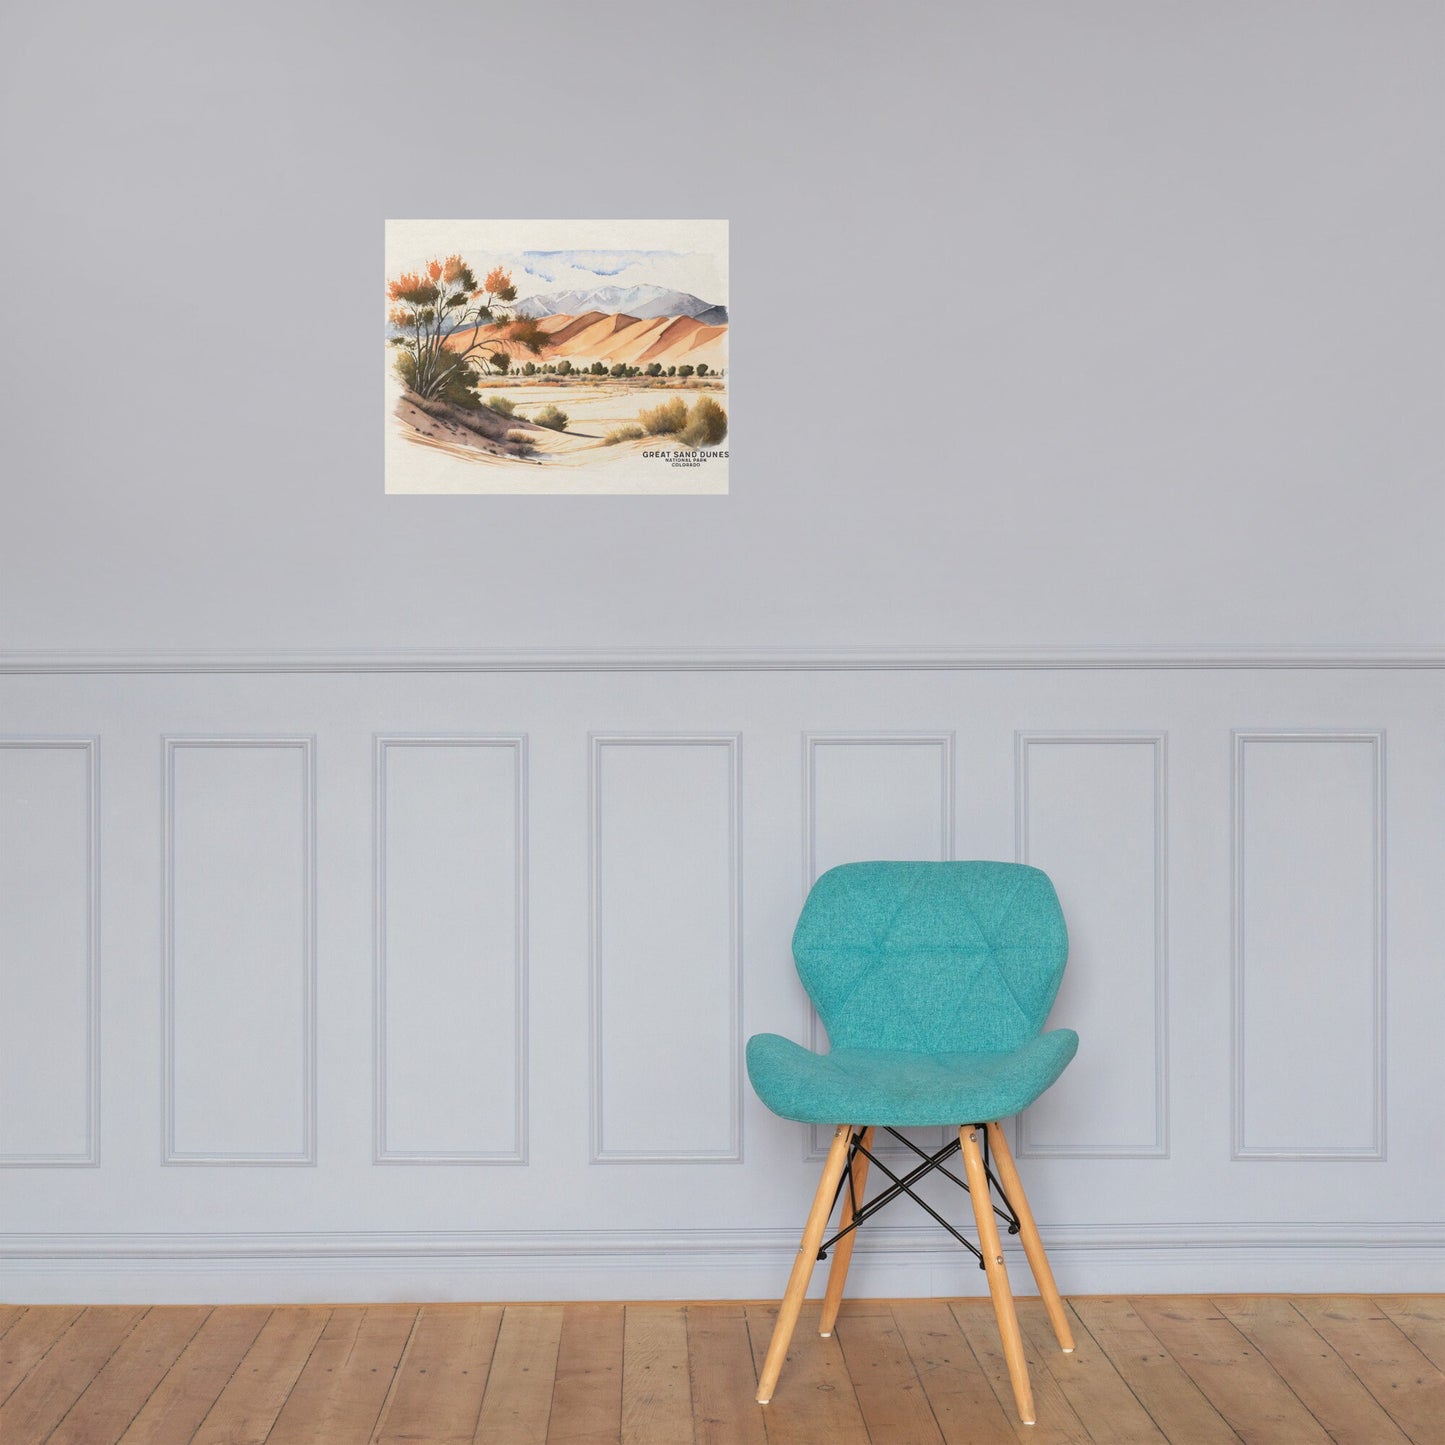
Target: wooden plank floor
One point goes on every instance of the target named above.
(1262, 1370)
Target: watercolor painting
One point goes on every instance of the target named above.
(541, 357)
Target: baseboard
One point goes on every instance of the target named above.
(693, 1264)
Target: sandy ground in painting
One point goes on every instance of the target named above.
(571, 462)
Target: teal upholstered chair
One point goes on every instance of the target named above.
(934, 981)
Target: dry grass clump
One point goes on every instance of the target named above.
(521, 440)
(503, 404)
(671, 416)
(707, 424)
(628, 433)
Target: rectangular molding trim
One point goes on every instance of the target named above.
(736, 659)
(89, 1156)
(1375, 1150)
(382, 1153)
(1024, 742)
(813, 741)
(599, 1153)
(306, 745)
(816, 1139)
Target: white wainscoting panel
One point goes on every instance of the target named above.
(866, 796)
(543, 897)
(1309, 945)
(451, 1026)
(239, 1070)
(1091, 814)
(666, 984)
(49, 952)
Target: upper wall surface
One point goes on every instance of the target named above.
(1053, 324)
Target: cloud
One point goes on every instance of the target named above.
(552, 266)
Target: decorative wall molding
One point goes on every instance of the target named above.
(306, 745)
(699, 1263)
(89, 1157)
(816, 1137)
(1375, 1151)
(381, 1152)
(722, 659)
(1157, 741)
(1140, 1236)
(599, 1153)
(812, 741)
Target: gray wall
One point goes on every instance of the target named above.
(391, 883)
(1106, 323)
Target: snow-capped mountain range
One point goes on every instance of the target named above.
(642, 302)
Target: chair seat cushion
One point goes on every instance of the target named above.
(884, 1087)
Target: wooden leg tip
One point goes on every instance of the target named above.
(825, 1334)
(763, 1399)
(1068, 1349)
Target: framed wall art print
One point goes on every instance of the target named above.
(545, 357)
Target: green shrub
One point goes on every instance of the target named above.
(628, 433)
(707, 423)
(530, 369)
(549, 416)
(503, 404)
(654, 368)
(459, 387)
(564, 368)
(684, 371)
(671, 416)
(702, 368)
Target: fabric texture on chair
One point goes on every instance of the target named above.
(933, 981)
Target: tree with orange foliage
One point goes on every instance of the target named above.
(440, 313)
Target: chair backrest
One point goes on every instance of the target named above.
(932, 957)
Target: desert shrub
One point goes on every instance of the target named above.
(501, 361)
(702, 368)
(707, 423)
(564, 368)
(459, 388)
(521, 440)
(672, 371)
(684, 371)
(503, 404)
(654, 368)
(597, 369)
(549, 416)
(670, 416)
(628, 433)
(530, 369)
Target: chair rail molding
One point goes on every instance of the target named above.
(305, 744)
(1242, 739)
(1157, 741)
(382, 1152)
(728, 659)
(89, 1156)
(599, 1151)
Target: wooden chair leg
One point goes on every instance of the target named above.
(803, 1264)
(1008, 1176)
(1003, 1301)
(843, 1250)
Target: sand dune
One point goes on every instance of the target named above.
(597, 336)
